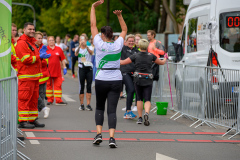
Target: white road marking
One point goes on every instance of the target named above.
(66, 97)
(163, 157)
(30, 134)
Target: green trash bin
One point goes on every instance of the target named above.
(162, 108)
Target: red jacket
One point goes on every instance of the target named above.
(45, 70)
(29, 64)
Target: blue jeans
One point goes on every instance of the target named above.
(69, 61)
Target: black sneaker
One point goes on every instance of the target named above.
(37, 124)
(140, 120)
(98, 139)
(26, 125)
(146, 121)
(49, 103)
(112, 143)
(89, 108)
(81, 108)
(61, 104)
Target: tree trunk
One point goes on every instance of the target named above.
(165, 5)
(163, 21)
(157, 11)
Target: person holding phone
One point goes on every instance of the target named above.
(85, 71)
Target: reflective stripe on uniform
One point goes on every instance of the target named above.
(57, 91)
(57, 95)
(34, 59)
(49, 91)
(32, 118)
(23, 112)
(30, 76)
(49, 95)
(43, 79)
(24, 57)
(23, 118)
(33, 112)
(17, 59)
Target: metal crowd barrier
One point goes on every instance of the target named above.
(8, 110)
(204, 94)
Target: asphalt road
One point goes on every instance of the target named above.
(68, 136)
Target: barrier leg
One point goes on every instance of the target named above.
(227, 132)
(178, 117)
(210, 125)
(194, 123)
(23, 155)
(188, 117)
(200, 124)
(234, 135)
(175, 114)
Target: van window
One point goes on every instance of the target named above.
(229, 29)
(192, 35)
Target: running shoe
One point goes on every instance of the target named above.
(129, 115)
(98, 139)
(112, 143)
(81, 108)
(73, 76)
(61, 104)
(46, 112)
(140, 120)
(146, 121)
(124, 109)
(125, 115)
(89, 108)
(49, 103)
(134, 108)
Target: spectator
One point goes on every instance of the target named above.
(155, 47)
(127, 72)
(63, 47)
(44, 41)
(55, 80)
(67, 42)
(20, 32)
(137, 39)
(13, 56)
(85, 35)
(74, 45)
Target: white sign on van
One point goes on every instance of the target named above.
(186, 2)
(203, 33)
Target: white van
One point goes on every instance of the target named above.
(195, 46)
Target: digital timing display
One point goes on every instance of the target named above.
(233, 21)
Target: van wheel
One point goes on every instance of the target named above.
(179, 99)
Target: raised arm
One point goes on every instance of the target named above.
(122, 23)
(126, 61)
(161, 62)
(93, 20)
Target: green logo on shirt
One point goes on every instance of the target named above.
(108, 58)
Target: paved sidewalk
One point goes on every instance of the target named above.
(69, 132)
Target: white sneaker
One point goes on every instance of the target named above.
(134, 108)
(124, 109)
(46, 112)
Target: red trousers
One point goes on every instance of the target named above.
(54, 89)
(28, 92)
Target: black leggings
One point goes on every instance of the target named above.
(42, 94)
(143, 92)
(85, 73)
(74, 60)
(128, 81)
(110, 91)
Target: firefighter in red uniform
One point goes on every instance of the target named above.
(54, 84)
(44, 78)
(29, 72)
(13, 56)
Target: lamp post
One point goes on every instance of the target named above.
(27, 5)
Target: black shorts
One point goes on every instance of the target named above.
(143, 92)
